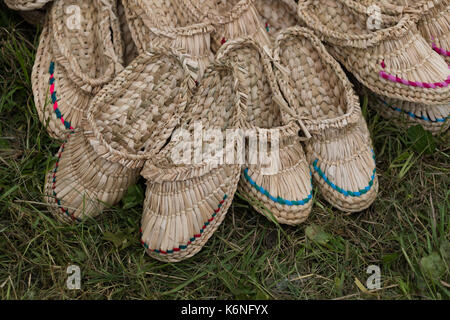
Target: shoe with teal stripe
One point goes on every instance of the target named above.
(277, 182)
(435, 119)
(339, 152)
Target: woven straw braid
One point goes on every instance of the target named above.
(343, 23)
(61, 102)
(287, 195)
(435, 119)
(26, 5)
(313, 82)
(231, 18)
(185, 204)
(265, 110)
(160, 22)
(395, 60)
(340, 145)
(130, 51)
(82, 183)
(180, 216)
(134, 115)
(344, 167)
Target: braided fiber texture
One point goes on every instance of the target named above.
(434, 23)
(128, 121)
(435, 119)
(277, 15)
(133, 116)
(130, 51)
(435, 28)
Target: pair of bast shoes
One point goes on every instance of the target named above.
(120, 123)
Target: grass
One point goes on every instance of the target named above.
(405, 232)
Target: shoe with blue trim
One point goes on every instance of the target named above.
(435, 119)
(340, 151)
(276, 179)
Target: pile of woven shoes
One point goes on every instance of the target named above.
(127, 85)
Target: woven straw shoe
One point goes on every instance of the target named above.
(280, 186)
(231, 18)
(395, 60)
(161, 22)
(80, 50)
(186, 201)
(340, 151)
(127, 122)
(432, 118)
(82, 183)
(26, 5)
(434, 26)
